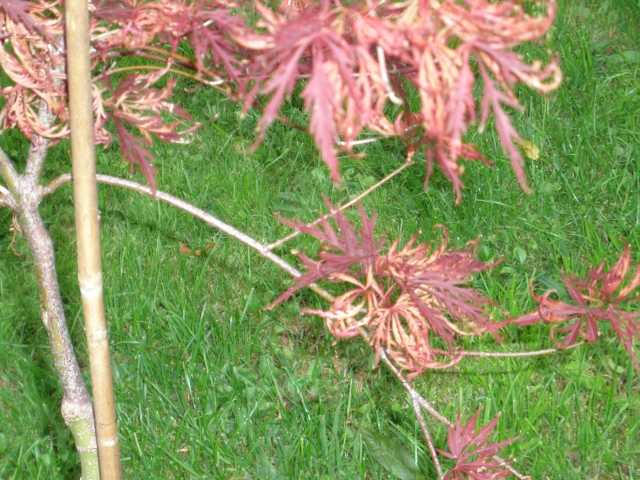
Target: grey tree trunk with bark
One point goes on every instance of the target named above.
(23, 194)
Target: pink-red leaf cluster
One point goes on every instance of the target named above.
(412, 302)
(474, 456)
(354, 60)
(596, 299)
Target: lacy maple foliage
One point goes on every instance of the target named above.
(598, 298)
(424, 70)
(411, 302)
(361, 57)
(408, 300)
(474, 457)
(355, 59)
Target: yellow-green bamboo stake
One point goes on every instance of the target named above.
(88, 234)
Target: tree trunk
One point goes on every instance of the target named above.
(76, 408)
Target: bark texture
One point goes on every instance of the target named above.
(76, 408)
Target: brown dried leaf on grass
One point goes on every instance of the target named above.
(413, 302)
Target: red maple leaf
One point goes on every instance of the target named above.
(319, 100)
(343, 248)
(401, 300)
(598, 298)
(473, 455)
(136, 154)
(18, 12)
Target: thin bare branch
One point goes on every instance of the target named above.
(508, 466)
(55, 184)
(413, 393)
(196, 78)
(384, 74)
(532, 353)
(431, 410)
(6, 199)
(8, 172)
(195, 212)
(39, 145)
(427, 436)
(346, 205)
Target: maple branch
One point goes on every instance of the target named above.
(39, 145)
(427, 437)
(194, 212)
(346, 205)
(161, 55)
(197, 78)
(424, 403)
(55, 184)
(532, 353)
(8, 173)
(416, 398)
(161, 52)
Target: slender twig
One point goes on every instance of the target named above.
(6, 199)
(195, 212)
(431, 410)
(355, 143)
(39, 145)
(427, 436)
(197, 78)
(384, 74)
(351, 202)
(165, 54)
(508, 466)
(413, 393)
(532, 353)
(55, 184)
(8, 172)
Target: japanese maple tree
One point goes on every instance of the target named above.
(426, 71)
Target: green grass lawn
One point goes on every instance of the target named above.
(210, 385)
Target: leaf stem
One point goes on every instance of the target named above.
(427, 436)
(211, 83)
(344, 206)
(531, 353)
